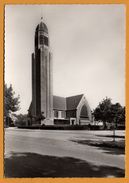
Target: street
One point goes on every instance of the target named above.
(56, 153)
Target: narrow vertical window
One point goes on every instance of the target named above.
(41, 39)
(46, 40)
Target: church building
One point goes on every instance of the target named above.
(47, 108)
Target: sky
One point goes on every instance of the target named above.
(87, 44)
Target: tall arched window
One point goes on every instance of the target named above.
(84, 113)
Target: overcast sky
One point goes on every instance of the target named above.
(88, 47)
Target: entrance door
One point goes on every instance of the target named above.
(72, 121)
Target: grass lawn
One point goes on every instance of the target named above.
(113, 147)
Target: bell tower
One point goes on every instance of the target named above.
(42, 98)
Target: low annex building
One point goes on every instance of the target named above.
(45, 107)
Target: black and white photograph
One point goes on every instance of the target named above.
(64, 90)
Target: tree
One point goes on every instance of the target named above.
(21, 120)
(122, 116)
(116, 112)
(103, 110)
(111, 113)
(11, 102)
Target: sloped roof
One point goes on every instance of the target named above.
(73, 101)
(62, 103)
(68, 103)
(59, 103)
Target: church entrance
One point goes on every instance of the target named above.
(72, 121)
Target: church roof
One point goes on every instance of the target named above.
(68, 103)
(73, 101)
(59, 103)
(63, 104)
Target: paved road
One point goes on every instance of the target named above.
(55, 143)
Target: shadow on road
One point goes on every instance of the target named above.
(111, 136)
(36, 165)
